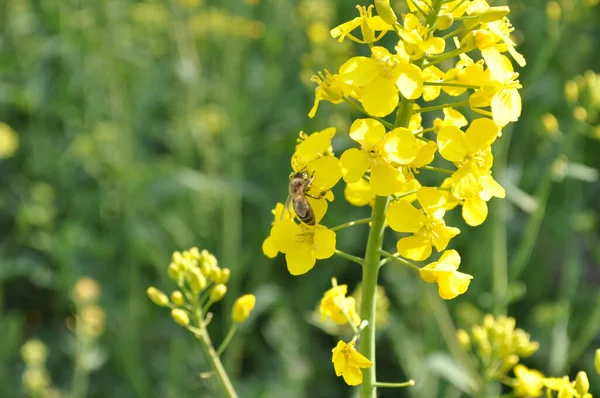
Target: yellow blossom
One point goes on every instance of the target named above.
(450, 282)
(302, 244)
(452, 117)
(562, 385)
(368, 23)
(426, 224)
(268, 246)
(529, 382)
(242, 308)
(417, 39)
(347, 362)
(466, 72)
(338, 307)
(330, 88)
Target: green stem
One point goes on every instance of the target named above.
(409, 383)
(443, 106)
(227, 339)
(369, 288)
(350, 257)
(80, 374)
(351, 223)
(434, 60)
(449, 84)
(453, 33)
(362, 110)
(438, 169)
(400, 260)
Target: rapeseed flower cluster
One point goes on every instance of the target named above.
(468, 67)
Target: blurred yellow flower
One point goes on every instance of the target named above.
(338, 307)
(9, 141)
(529, 382)
(242, 308)
(347, 362)
(368, 23)
(450, 282)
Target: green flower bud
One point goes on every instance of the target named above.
(468, 43)
(223, 276)
(180, 317)
(174, 271)
(157, 297)
(571, 91)
(444, 21)
(217, 293)
(582, 384)
(197, 280)
(509, 362)
(553, 11)
(177, 298)
(34, 352)
(385, 11)
(464, 339)
(597, 361)
(550, 124)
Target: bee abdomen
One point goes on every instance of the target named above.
(308, 219)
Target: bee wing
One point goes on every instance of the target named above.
(301, 206)
(286, 207)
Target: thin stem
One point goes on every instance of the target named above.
(362, 110)
(443, 106)
(227, 339)
(369, 288)
(400, 260)
(350, 257)
(80, 374)
(351, 323)
(409, 383)
(454, 32)
(438, 169)
(350, 224)
(434, 60)
(449, 84)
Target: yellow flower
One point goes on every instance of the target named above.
(452, 117)
(368, 26)
(426, 224)
(404, 151)
(379, 79)
(336, 306)
(417, 39)
(347, 362)
(562, 385)
(359, 193)
(450, 282)
(466, 72)
(501, 90)
(330, 88)
(432, 74)
(529, 382)
(302, 244)
(242, 308)
(268, 246)
(9, 141)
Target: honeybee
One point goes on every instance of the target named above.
(298, 192)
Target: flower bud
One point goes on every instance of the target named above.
(509, 362)
(242, 308)
(223, 276)
(86, 290)
(34, 352)
(571, 91)
(180, 317)
(580, 114)
(597, 361)
(582, 384)
(385, 11)
(444, 21)
(492, 14)
(217, 293)
(174, 271)
(464, 339)
(92, 320)
(550, 124)
(488, 322)
(157, 297)
(197, 280)
(553, 11)
(177, 298)
(468, 43)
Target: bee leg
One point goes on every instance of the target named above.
(321, 195)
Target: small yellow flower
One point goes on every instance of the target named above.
(426, 224)
(562, 385)
(347, 362)
(336, 305)
(330, 88)
(529, 382)
(242, 308)
(417, 40)
(450, 282)
(302, 244)
(9, 141)
(368, 23)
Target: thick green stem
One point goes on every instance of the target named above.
(215, 363)
(369, 288)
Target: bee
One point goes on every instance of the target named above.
(298, 192)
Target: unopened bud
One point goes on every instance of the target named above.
(582, 384)
(468, 43)
(242, 308)
(177, 298)
(223, 276)
(444, 21)
(174, 271)
(509, 362)
(385, 11)
(580, 114)
(550, 124)
(571, 91)
(553, 11)
(488, 322)
(492, 14)
(197, 280)
(34, 352)
(86, 290)
(217, 293)
(157, 297)
(463, 339)
(597, 361)
(180, 317)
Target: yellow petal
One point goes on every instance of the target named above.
(352, 376)
(342, 30)
(435, 45)
(432, 200)
(300, 260)
(324, 243)
(354, 164)
(466, 183)
(416, 247)
(268, 248)
(450, 257)
(452, 144)
(284, 234)
(442, 235)
(506, 106)
(326, 172)
(313, 110)
(481, 133)
(428, 274)
(452, 284)
(404, 217)
(338, 358)
(385, 180)
(400, 146)
(425, 155)
(410, 81)
(490, 187)
(359, 71)
(380, 97)
(319, 207)
(474, 211)
(359, 360)
(359, 193)
(367, 132)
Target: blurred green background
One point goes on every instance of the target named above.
(145, 127)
